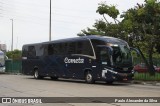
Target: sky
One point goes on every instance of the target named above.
(31, 19)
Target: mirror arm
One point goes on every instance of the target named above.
(135, 49)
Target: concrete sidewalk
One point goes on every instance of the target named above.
(154, 83)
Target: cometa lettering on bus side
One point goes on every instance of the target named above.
(79, 60)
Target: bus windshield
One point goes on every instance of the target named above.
(121, 56)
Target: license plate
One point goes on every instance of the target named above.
(125, 79)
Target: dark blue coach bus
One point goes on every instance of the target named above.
(92, 58)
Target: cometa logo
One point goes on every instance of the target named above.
(79, 60)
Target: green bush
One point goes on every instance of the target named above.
(147, 77)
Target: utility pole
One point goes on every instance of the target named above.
(12, 36)
(50, 23)
(12, 46)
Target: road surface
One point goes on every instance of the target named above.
(27, 86)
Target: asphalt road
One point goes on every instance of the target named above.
(27, 86)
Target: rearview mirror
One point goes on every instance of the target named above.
(136, 50)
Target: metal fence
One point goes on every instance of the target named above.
(147, 76)
(156, 61)
(13, 66)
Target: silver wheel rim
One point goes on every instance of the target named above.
(36, 74)
(89, 77)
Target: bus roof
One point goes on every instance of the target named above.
(97, 37)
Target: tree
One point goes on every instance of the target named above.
(103, 26)
(140, 26)
(16, 54)
(144, 24)
(104, 9)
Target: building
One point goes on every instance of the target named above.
(3, 47)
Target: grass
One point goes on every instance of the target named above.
(147, 77)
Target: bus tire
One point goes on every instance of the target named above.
(36, 74)
(89, 77)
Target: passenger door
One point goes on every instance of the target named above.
(103, 56)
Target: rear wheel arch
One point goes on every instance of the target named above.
(35, 68)
(36, 73)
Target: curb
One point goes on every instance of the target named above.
(9, 73)
(154, 83)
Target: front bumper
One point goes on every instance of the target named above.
(110, 75)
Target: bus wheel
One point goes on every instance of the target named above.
(89, 78)
(36, 75)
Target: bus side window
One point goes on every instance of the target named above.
(104, 56)
(50, 49)
(87, 48)
(31, 51)
(117, 57)
(61, 49)
(65, 48)
(97, 42)
(79, 48)
(24, 51)
(72, 48)
(56, 49)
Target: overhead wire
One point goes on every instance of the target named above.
(19, 6)
(16, 10)
(44, 12)
(40, 18)
(64, 27)
(36, 18)
(19, 2)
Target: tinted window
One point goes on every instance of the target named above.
(24, 51)
(31, 51)
(72, 48)
(65, 48)
(56, 49)
(96, 42)
(87, 48)
(45, 50)
(84, 47)
(62, 48)
(104, 55)
(39, 50)
(79, 48)
(50, 49)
